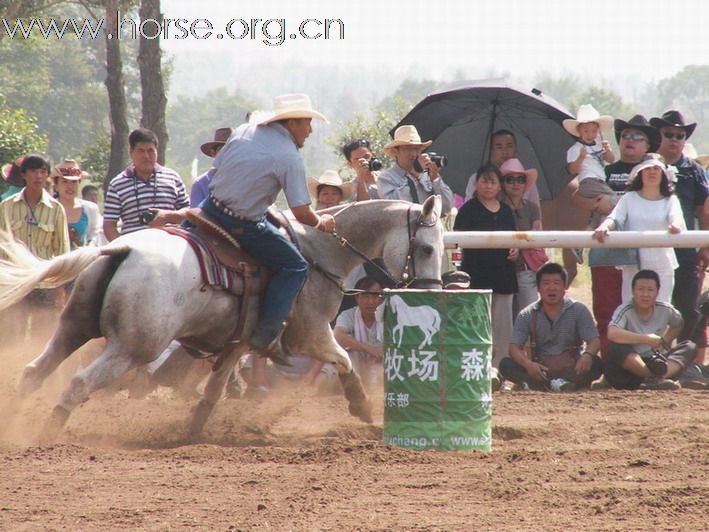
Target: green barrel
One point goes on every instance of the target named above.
(437, 365)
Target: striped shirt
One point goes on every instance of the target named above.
(43, 229)
(127, 196)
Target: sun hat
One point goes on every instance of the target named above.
(640, 123)
(11, 173)
(586, 114)
(70, 170)
(288, 106)
(405, 136)
(221, 135)
(652, 160)
(332, 179)
(455, 279)
(673, 118)
(514, 166)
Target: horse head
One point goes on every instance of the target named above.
(419, 256)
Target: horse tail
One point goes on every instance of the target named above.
(21, 271)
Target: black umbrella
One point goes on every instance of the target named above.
(460, 121)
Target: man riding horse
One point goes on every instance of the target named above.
(258, 161)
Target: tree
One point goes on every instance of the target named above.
(193, 121)
(374, 127)
(19, 135)
(154, 101)
(115, 88)
(688, 91)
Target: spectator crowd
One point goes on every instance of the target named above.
(645, 327)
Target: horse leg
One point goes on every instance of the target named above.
(78, 323)
(359, 404)
(214, 389)
(68, 337)
(107, 368)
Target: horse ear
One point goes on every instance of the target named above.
(432, 209)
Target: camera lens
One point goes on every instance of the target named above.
(146, 217)
(374, 164)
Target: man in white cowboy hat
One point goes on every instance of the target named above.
(328, 190)
(402, 182)
(200, 186)
(692, 189)
(258, 161)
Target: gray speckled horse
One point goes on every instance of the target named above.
(144, 290)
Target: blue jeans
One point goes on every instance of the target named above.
(264, 242)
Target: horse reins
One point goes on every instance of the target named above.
(408, 276)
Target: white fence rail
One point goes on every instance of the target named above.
(575, 239)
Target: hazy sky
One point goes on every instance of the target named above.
(604, 39)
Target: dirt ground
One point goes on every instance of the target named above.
(601, 460)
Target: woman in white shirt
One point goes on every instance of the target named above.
(649, 205)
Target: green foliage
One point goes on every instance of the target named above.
(18, 136)
(192, 121)
(688, 91)
(94, 157)
(607, 102)
(60, 83)
(375, 125)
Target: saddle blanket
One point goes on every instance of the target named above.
(214, 272)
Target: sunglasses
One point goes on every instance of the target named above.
(633, 136)
(679, 136)
(516, 179)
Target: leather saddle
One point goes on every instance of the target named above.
(220, 241)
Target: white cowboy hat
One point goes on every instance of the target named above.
(291, 106)
(405, 136)
(587, 113)
(332, 179)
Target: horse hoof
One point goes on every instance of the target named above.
(55, 423)
(362, 411)
(200, 414)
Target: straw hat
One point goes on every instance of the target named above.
(332, 179)
(70, 170)
(291, 106)
(513, 166)
(405, 136)
(11, 173)
(587, 113)
(221, 135)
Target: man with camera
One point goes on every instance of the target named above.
(142, 186)
(361, 159)
(416, 175)
(640, 335)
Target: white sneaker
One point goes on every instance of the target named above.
(561, 385)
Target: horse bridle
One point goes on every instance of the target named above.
(408, 276)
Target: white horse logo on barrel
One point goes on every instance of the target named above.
(424, 317)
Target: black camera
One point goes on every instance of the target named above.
(375, 164)
(146, 217)
(439, 160)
